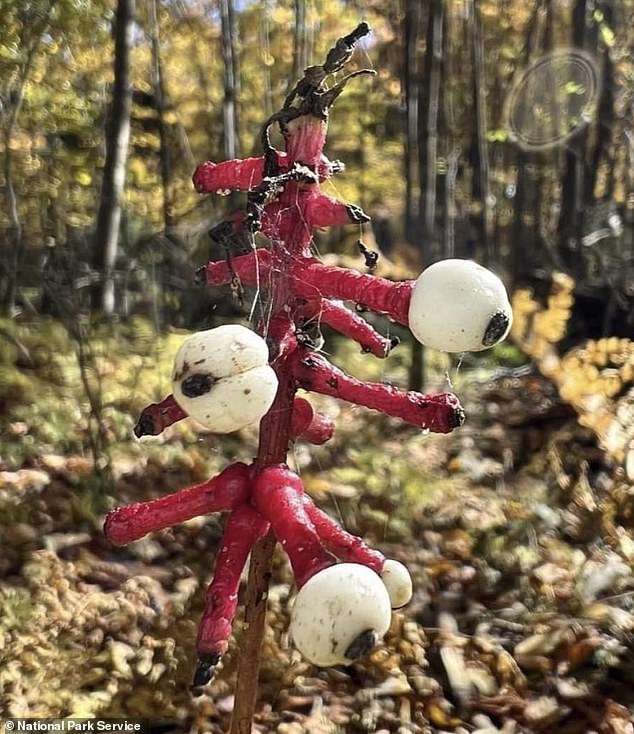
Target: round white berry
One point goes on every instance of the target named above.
(459, 306)
(398, 583)
(340, 614)
(222, 378)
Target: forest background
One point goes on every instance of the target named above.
(453, 149)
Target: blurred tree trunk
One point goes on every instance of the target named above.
(300, 43)
(572, 185)
(607, 123)
(158, 88)
(447, 183)
(480, 157)
(429, 103)
(106, 237)
(521, 251)
(411, 83)
(33, 28)
(411, 87)
(265, 45)
(229, 102)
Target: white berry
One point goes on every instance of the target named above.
(398, 583)
(459, 306)
(340, 614)
(222, 378)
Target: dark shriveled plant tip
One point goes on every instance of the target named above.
(371, 256)
(356, 214)
(200, 276)
(204, 672)
(145, 426)
(457, 418)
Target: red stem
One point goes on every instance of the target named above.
(278, 494)
(438, 413)
(223, 492)
(158, 416)
(247, 173)
(243, 528)
(251, 269)
(350, 324)
(377, 294)
(275, 434)
(310, 425)
(342, 544)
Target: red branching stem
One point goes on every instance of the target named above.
(234, 175)
(278, 494)
(438, 413)
(339, 542)
(280, 333)
(243, 528)
(246, 174)
(252, 269)
(310, 425)
(350, 324)
(305, 139)
(223, 492)
(377, 294)
(158, 416)
(322, 210)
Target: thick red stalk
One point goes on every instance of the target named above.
(157, 417)
(246, 174)
(275, 430)
(340, 543)
(438, 413)
(223, 492)
(278, 494)
(243, 528)
(350, 324)
(310, 425)
(275, 434)
(314, 281)
(306, 423)
(251, 269)
(376, 294)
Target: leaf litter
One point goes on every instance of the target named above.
(517, 531)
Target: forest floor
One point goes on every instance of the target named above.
(517, 530)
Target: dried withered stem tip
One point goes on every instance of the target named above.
(371, 256)
(316, 100)
(204, 672)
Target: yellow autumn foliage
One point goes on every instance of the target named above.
(596, 378)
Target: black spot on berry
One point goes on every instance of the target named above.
(496, 328)
(196, 385)
(362, 645)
